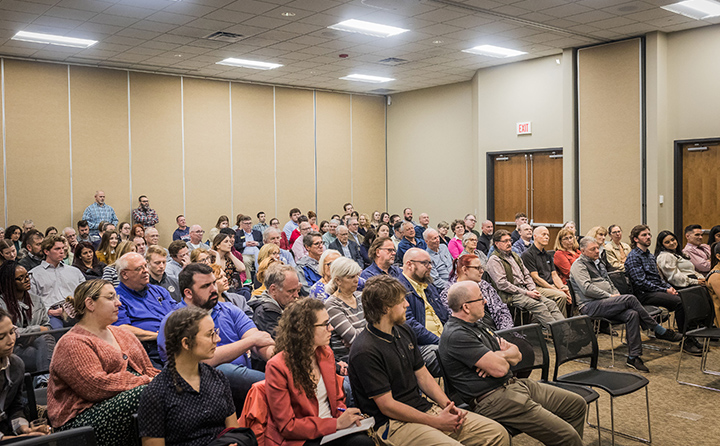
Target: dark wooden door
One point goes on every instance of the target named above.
(700, 185)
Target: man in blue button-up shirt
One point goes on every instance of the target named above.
(143, 305)
(238, 334)
(99, 211)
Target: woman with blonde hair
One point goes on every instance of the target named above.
(110, 273)
(269, 254)
(222, 285)
(364, 224)
(98, 371)
(201, 255)
(567, 251)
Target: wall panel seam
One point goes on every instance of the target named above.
(275, 151)
(129, 141)
(232, 188)
(352, 181)
(4, 130)
(315, 146)
(70, 143)
(182, 132)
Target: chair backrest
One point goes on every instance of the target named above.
(697, 306)
(82, 436)
(620, 281)
(254, 413)
(532, 334)
(57, 334)
(572, 286)
(574, 338)
(450, 390)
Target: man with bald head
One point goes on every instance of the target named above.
(196, 235)
(525, 240)
(441, 258)
(485, 238)
(541, 266)
(99, 211)
(143, 305)
(423, 223)
(479, 363)
(425, 313)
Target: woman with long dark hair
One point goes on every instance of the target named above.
(7, 251)
(107, 251)
(189, 402)
(28, 314)
(85, 259)
(674, 264)
(305, 396)
(14, 234)
(227, 258)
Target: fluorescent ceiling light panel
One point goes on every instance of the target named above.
(249, 64)
(369, 28)
(366, 78)
(493, 51)
(51, 39)
(695, 9)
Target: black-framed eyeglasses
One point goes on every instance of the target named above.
(393, 250)
(424, 263)
(475, 300)
(479, 268)
(325, 324)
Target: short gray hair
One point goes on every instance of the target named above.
(468, 235)
(342, 267)
(406, 224)
(268, 232)
(275, 275)
(586, 241)
(308, 238)
(335, 221)
(428, 233)
(345, 228)
(122, 263)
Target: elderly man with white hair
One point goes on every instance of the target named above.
(525, 241)
(272, 235)
(196, 234)
(440, 256)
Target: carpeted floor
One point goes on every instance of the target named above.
(680, 415)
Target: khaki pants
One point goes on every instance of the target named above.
(547, 413)
(475, 431)
(557, 296)
(249, 261)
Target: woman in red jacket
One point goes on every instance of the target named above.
(566, 252)
(304, 394)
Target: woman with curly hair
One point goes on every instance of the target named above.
(189, 402)
(305, 397)
(137, 230)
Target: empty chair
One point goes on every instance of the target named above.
(574, 338)
(698, 313)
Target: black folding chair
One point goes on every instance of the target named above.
(699, 313)
(533, 335)
(82, 436)
(574, 338)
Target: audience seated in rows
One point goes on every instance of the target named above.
(387, 374)
(382, 253)
(344, 306)
(7, 251)
(479, 362)
(98, 371)
(485, 240)
(330, 235)
(353, 229)
(599, 234)
(440, 256)
(274, 235)
(269, 254)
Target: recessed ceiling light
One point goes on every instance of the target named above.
(493, 51)
(53, 40)
(695, 9)
(249, 64)
(369, 28)
(437, 42)
(367, 78)
(288, 14)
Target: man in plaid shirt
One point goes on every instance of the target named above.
(144, 214)
(648, 286)
(99, 211)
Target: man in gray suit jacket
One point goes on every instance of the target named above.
(597, 297)
(345, 246)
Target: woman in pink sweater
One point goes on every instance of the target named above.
(98, 371)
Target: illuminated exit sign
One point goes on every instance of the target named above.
(524, 128)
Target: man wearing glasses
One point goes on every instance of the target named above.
(426, 315)
(514, 283)
(382, 253)
(479, 364)
(196, 235)
(308, 267)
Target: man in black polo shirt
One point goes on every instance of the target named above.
(541, 266)
(478, 362)
(387, 374)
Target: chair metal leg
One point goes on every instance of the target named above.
(647, 403)
(595, 426)
(623, 434)
(612, 419)
(703, 364)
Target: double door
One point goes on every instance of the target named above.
(529, 182)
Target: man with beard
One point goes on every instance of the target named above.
(238, 334)
(143, 305)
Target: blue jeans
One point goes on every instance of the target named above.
(241, 379)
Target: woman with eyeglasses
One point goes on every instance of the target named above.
(567, 251)
(317, 291)
(98, 371)
(344, 306)
(470, 242)
(304, 394)
(189, 402)
(455, 245)
(28, 314)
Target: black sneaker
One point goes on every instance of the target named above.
(670, 335)
(691, 347)
(637, 364)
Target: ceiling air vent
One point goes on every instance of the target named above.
(381, 91)
(225, 37)
(393, 61)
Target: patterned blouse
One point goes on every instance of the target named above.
(499, 311)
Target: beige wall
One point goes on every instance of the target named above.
(430, 152)
(193, 146)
